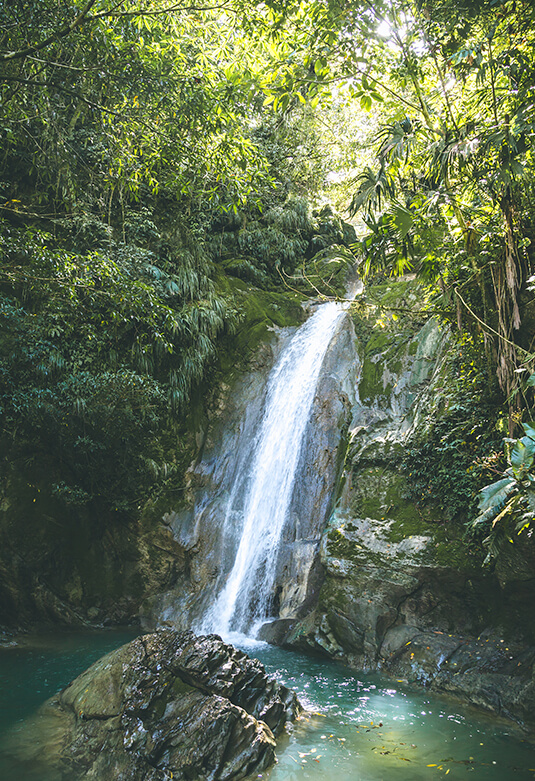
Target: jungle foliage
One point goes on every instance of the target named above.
(148, 219)
(507, 506)
(156, 166)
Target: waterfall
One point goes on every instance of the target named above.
(245, 600)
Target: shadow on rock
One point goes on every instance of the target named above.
(166, 705)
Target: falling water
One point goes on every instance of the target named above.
(245, 600)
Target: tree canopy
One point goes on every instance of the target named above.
(156, 162)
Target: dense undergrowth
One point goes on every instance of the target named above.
(156, 221)
(111, 336)
(454, 446)
(451, 458)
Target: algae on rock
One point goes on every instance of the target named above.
(403, 591)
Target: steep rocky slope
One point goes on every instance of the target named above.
(403, 589)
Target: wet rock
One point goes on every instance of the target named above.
(484, 671)
(402, 591)
(275, 632)
(405, 596)
(166, 705)
(219, 481)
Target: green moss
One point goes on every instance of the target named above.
(258, 311)
(378, 342)
(379, 492)
(333, 593)
(339, 546)
(371, 382)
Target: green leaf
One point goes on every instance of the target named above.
(494, 496)
(529, 428)
(403, 220)
(522, 456)
(284, 102)
(320, 66)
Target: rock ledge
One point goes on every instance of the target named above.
(166, 705)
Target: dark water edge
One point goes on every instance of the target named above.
(359, 727)
(39, 665)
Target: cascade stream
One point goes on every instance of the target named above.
(245, 600)
(356, 725)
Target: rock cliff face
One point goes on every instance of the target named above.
(91, 563)
(402, 591)
(166, 705)
(198, 528)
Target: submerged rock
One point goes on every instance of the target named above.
(167, 705)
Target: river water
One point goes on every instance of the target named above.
(364, 727)
(356, 727)
(359, 727)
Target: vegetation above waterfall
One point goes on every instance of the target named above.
(165, 170)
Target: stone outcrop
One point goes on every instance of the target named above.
(402, 591)
(218, 477)
(167, 705)
(418, 608)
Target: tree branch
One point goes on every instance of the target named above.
(72, 93)
(17, 55)
(170, 9)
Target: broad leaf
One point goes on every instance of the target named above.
(522, 456)
(403, 219)
(495, 495)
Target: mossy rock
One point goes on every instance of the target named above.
(380, 493)
(259, 311)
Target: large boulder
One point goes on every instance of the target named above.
(166, 705)
(403, 592)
